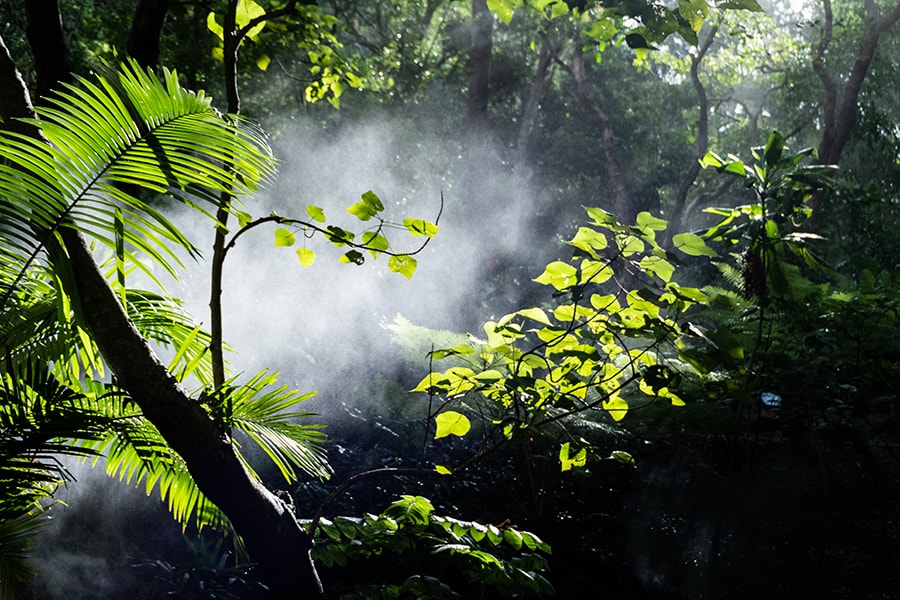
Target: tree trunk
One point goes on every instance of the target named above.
(479, 67)
(146, 31)
(623, 207)
(839, 110)
(533, 103)
(45, 36)
(678, 218)
(271, 532)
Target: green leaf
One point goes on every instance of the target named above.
(535, 314)
(622, 457)
(558, 274)
(658, 266)
(451, 423)
(338, 236)
(602, 30)
(247, 10)
(285, 237)
(315, 213)
(566, 463)
(214, 26)
(374, 242)
(504, 8)
(262, 62)
(244, 218)
(306, 256)
(414, 510)
(774, 150)
(558, 9)
(751, 5)
(420, 227)
(692, 244)
(645, 220)
(372, 199)
(362, 210)
(589, 240)
(403, 264)
(353, 256)
(513, 538)
(442, 470)
(369, 206)
(616, 407)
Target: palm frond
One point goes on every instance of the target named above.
(265, 412)
(16, 540)
(107, 138)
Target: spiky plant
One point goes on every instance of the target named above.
(108, 149)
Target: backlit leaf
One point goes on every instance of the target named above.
(616, 407)
(403, 264)
(421, 227)
(558, 274)
(306, 256)
(315, 213)
(692, 244)
(285, 237)
(451, 423)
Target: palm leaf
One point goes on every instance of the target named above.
(265, 412)
(107, 138)
(16, 541)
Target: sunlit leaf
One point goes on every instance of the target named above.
(285, 237)
(558, 274)
(567, 463)
(315, 213)
(214, 26)
(616, 407)
(451, 422)
(442, 470)
(375, 242)
(403, 264)
(504, 8)
(247, 10)
(420, 227)
(692, 244)
(306, 256)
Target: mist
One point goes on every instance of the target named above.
(312, 323)
(325, 327)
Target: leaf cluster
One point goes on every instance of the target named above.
(500, 561)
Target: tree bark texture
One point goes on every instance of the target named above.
(272, 534)
(840, 108)
(480, 67)
(533, 103)
(45, 36)
(622, 204)
(146, 31)
(678, 218)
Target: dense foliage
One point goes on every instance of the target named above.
(723, 322)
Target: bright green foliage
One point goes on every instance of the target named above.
(451, 423)
(782, 186)
(611, 340)
(500, 562)
(108, 135)
(640, 23)
(331, 71)
(372, 241)
(579, 460)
